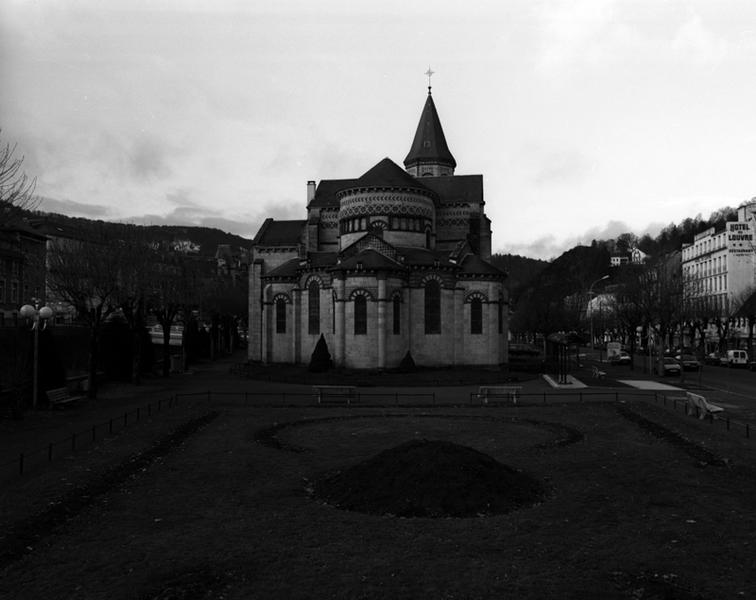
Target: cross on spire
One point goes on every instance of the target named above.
(429, 73)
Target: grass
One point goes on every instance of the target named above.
(640, 505)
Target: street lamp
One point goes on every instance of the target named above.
(590, 291)
(39, 317)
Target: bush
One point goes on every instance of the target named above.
(320, 361)
(408, 364)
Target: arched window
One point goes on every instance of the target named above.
(476, 316)
(313, 308)
(280, 315)
(432, 307)
(397, 304)
(360, 315)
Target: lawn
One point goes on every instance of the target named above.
(640, 502)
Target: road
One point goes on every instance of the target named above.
(732, 388)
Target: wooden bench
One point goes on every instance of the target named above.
(334, 394)
(598, 373)
(701, 406)
(62, 397)
(507, 392)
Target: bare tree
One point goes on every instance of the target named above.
(85, 274)
(16, 188)
(171, 291)
(654, 294)
(133, 289)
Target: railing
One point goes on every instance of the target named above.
(78, 440)
(86, 437)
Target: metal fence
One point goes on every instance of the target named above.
(24, 461)
(78, 440)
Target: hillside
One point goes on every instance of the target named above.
(206, 238)
(521, 269)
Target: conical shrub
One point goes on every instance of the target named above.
(320, 360)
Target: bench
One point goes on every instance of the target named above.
(701, 406)
(332, 394)
(62, 397)
(508, 392)
(598, 373)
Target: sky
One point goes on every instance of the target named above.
(587, 118)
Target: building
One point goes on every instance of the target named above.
(719, 274)
(719, 267)
(22, 270)
(392, 262)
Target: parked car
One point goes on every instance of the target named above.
(736, 358)
(688, 362)
(620, 358)
(669, 366)
(713, 358)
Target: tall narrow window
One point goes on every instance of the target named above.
(280, 315)
(360, 315)
(427, 239)
(397, 315)
(476, 316)
(313, 308)
(500, 314)
(432, 307)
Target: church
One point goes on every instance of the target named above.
(390, 263)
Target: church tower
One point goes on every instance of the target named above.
(429, 155)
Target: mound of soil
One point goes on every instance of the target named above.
(424, 478)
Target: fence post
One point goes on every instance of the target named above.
(125, 418)
(73, 442)
(49, 452)
(748, 430)
(110, 426)
(149, 410)
(137, 414)
(94, 434)
(21, 464)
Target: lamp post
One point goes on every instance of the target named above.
(590, 291)
(39, 317)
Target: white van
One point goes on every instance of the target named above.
(737, 358)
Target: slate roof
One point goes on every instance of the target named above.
(285, 270)
(457, 188)
(327, 190)
(279, 233)
(429, 143)
(370, 260)
(387, 174)
(474, 265)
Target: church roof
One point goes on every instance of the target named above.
(369, 259)
(387, 174)
(327, 190)
(279, 233)
(429, 144)
(473, 264)
(285, 270)
(457, 188)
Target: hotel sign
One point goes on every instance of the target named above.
(739, 237)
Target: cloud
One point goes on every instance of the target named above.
(73, 209)
(561, 167)
(147, 158)
(548, 247)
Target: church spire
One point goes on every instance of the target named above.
(429, 154)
